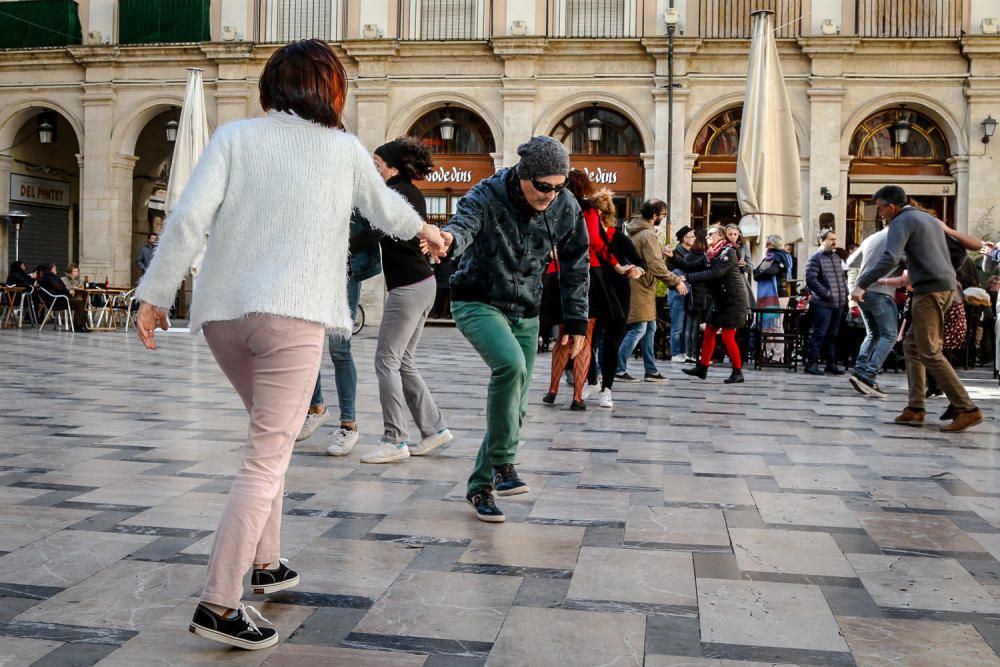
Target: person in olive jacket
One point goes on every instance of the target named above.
(729, 306)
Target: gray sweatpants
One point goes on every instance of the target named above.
(399, 380)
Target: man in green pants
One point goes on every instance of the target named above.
(506, 231)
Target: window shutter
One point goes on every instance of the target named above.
(595, 18)
(450, 19)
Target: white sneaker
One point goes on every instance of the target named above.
(313, 421)
(432, 442)
(606, 401)
(387, 452)
(588, 390)
(344, 440)
(677, 359)
(568, 376)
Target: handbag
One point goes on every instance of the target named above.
(955, 326)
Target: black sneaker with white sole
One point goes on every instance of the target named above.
(486, 508)
(263, 582)
(506, 481)
(864, 386)
(240, 632)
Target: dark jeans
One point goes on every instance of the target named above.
(825, 327)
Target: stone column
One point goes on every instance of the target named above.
(99, 208)
(121, 192)
(977, 210)
(6, 162)
(519, 92)
(825, 108)
(959, 167)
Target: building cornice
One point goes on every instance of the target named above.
(519, 47)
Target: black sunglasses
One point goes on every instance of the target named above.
(546, 188)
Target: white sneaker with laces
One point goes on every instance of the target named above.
(313, 421)
(432, 442)
(677, 359)
(344, 440)
(588, 390)
(606, 401)
(387, 452)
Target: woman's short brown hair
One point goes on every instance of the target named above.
(307, 79)
(581, 186)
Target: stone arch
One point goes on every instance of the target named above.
(13, 117)
(930, 107)
(547, 122)
(427, 103)
(720, 104)
(126, 131)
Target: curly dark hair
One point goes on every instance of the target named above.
(409, 155)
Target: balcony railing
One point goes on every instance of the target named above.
(909, 18)
(280, 21)
(453, 20)
(730, 19)
(595, 19)
(163, 21)
(37, 23)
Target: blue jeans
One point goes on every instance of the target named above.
(825, 327)
(345, 374)
(641, 333)
(881, 318)
(676, 303)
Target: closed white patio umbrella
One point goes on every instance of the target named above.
(767, 165)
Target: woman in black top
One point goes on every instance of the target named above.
(699, 299)
(412, 288)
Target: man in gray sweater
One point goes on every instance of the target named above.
(932, 279)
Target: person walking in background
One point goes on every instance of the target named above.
(677, 302)
(932, 279)
(642, 299)
(825, 279)
(729, 304)
(735, 236)
(699, 298)
(365, 261)
(146, 253)
(505, 231)
(878, 312)
(412, 289)
(772, 276)
(275, 194)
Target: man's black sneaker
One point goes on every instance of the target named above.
(834, 369)
(506, 482)
(577, 406)
(865, 386)
(240, 631)
(486, 508)
(813, 369)
(949, 414)
(654, 377)
(549, 398)
(263, 582)
(625, 377)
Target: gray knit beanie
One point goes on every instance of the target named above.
(542, 156)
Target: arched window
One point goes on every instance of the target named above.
(720, 137)
(472, 134)
(874, 139)
(618, 135)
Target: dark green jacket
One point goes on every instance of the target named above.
(504, 249)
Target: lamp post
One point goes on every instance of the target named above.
(17, 218)
(595, 130)
(671, 18)
(46, 129)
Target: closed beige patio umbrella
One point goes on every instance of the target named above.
(767, 165)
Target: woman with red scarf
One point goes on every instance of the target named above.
(729, 308)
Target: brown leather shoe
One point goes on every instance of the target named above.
(911, 417)
(963, 420)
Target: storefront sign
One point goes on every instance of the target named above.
(453, 175)
(456, 173)
(39, 191)
(618, 174)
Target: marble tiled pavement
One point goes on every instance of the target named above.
(781, 522)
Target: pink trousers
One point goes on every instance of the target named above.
(272, 363)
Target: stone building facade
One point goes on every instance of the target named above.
(501, 71)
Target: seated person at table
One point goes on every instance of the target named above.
(72, 279)
(18, 276)
(51, 282)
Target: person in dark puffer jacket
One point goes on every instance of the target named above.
(504, 232)
(825, 279)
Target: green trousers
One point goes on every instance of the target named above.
(508, 346)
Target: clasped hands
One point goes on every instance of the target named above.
(434, 241)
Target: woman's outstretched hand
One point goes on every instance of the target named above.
(147, 319)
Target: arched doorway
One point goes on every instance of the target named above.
(607, 146)
(919, 166)
(713, 184)
(45, 184)
(461, 142)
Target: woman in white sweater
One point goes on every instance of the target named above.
(272, 194)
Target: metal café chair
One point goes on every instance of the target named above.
(51, 300)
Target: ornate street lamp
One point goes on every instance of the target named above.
(172, 130)
(447, 125)
(46, 128)
(989, 127)
(901, 128)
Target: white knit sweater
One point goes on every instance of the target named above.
(275, 196)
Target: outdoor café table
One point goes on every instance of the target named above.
(8, 304)
(100, 316)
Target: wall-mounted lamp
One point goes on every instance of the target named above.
(901, 128)
(372, 31)
(989, 127)
(172, 130)
(595, 128)
(671, 17)
(46, 127)
(825, 193)
(447, 125)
